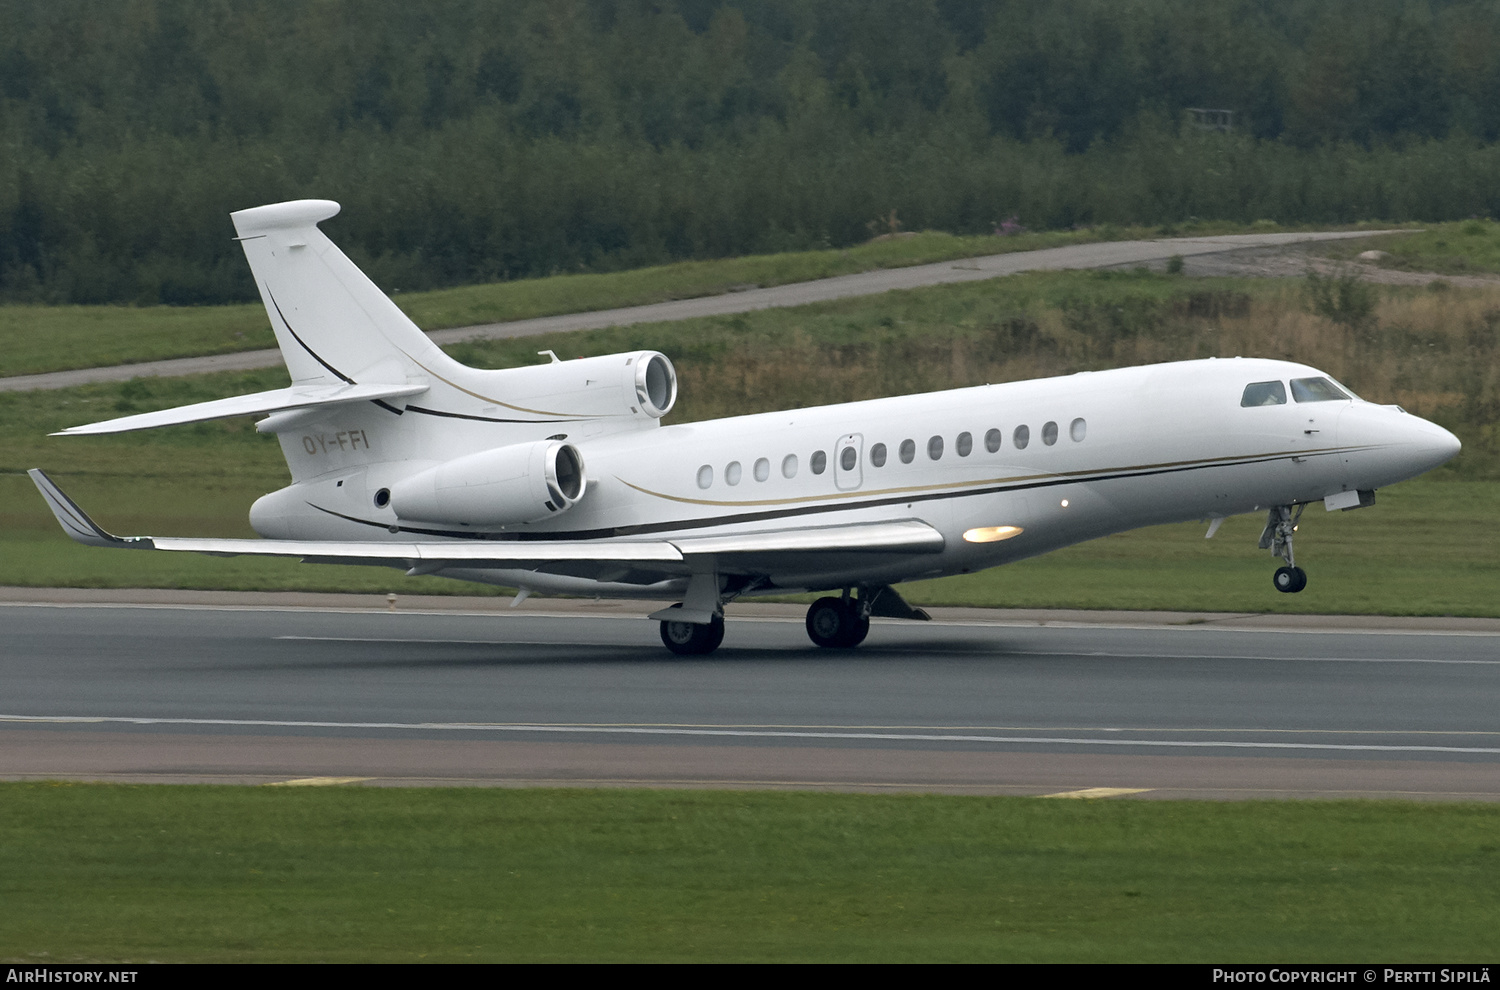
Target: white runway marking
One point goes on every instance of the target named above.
(740, 733)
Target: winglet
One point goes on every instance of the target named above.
(76, 523)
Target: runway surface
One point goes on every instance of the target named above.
(589, 696)
(1106, 254)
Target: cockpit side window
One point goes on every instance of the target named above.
(1316, 390)
(1265, 394)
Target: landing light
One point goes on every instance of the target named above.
(1064, 503)
(991, 534)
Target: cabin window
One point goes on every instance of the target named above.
(1315, 390)
(789, 466)
(1021, 437)
(1078, 430)
(1264, 394)
(964, 444)
(908, 451)
(992, 441)
(762, 469)
(1049, 433)
(705, 476)
(935, 448)
(818, 462)
(732, 473)
(877, 455)
(848, 457)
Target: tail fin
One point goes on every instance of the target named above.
(333, 324)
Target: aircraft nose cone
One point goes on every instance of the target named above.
(1437, 444)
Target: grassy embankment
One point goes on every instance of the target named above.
(1468, 247)
(1428, 547)
(174, 873)
(37, 339)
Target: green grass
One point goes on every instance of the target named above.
(197, 874)
(1428, 547)
(1466, 247)
(37, 339)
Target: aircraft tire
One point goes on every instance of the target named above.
(833, 623)
(1289, 580)
(689, 639)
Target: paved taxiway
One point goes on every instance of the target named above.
(584, 694)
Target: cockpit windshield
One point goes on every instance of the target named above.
(1316, 390)
(1264, 394)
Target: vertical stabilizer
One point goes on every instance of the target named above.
(333, 324)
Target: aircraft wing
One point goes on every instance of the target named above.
(254, 404)
(670, 557)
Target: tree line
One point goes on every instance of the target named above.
(473, 141)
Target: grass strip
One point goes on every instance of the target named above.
(38, 339)
(1465, 247)
(1427, 547)
(195, 873)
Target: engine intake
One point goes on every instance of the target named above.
(522, 483)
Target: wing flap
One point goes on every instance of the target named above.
(509, 553)
(895, 536)
(254, 404)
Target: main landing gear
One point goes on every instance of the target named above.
(839, 623)
(1281, 526)
(691, 638)
(696, 627)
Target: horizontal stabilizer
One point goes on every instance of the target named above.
(254, 404)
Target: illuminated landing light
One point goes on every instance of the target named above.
(991, 534)
(1064, 503)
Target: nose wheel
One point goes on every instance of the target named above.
(1290, 579)
(1281, 527)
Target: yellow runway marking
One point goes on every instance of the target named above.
(318, 781)
(1099, 792)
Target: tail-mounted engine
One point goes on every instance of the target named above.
(522, 483)
(610, 387)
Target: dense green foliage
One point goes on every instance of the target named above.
(473, 141)
(183, 873)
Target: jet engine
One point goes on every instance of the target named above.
(628, 386)
(522, 483)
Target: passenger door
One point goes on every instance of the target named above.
(848, 455)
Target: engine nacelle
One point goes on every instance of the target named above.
(522, 483)
(634, 385)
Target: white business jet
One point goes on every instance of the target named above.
(560, 477)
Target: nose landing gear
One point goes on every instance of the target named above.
(1281, 526)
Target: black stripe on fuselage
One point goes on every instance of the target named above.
(646, 529)
(482, 419)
